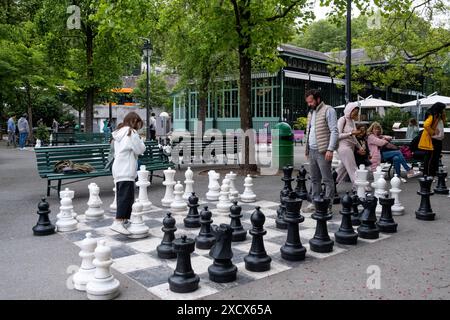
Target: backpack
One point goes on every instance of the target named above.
(407, 153)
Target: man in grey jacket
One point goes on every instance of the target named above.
(24, 130)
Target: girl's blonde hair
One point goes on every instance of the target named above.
(373, 126)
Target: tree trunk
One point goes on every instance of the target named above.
(29, 111)
(90, 90)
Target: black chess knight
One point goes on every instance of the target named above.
(222, 270)
(368, 228)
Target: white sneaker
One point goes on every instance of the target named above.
(119, 227)
(403, 180)
(413, 174)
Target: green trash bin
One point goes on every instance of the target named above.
(282, 145)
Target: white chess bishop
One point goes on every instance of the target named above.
(113, 205)
(143, 184)
(178, 204)
(213, 186)
(169, 182)
(361, 181)
(188, 183)
(376, 175)
(248, 195)
(103, 286)
(95, 210)
(65, 220)
(234, 193)
(397, 208)
(137, 227)
(224, 198)
(87, 269)
(380, 190)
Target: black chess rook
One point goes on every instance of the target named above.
(441, 187)
(386, 222)
(183, 280)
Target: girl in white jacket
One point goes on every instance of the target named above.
(127, 147)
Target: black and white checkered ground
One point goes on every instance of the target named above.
(138, 259)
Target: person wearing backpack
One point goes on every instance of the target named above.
(128, 145)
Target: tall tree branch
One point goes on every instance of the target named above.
(237, 14)
(285, 12)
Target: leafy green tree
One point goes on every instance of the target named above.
(159, 94)
(392, 116)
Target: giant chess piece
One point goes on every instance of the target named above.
(281, 211)
(441, 187)
(234, 193)
(336, 199)
(397, 208)
(376, 175)
(65, 221)
(368, 228)
(87, 269)
(137, 226)
(70, 194)
(143, 184)
(178, 204)
(239, 233)
(193, 218)
(222, 270)
(356, 214)
(188, 183)
(257, 259)
(293, 250)
(224, 198)
(301, 190)
(104, 286)
(205, 239)
(169, 182)
(380, 190)
(386, 223)
(165, 249)
(213, 186)
(113, 205)
(43, 227)
(183, 279)
(248, 195)
(95, 210)
(361, 181)
(425, 212)
(321, 241)
(346, 234)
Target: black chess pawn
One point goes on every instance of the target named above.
(356, 214)
(441, 187)
(165, 249)
(193, 218)
(386, 223)
(239, 233)
(222, 270)
(300, 189)
(205, 239)
(281, 211)
(183, 279)
(368, 228)
(336, 199)
(425, 212)
(321, 242)
(346, 234)
(43, 227)
(257, 259)
(293, 249)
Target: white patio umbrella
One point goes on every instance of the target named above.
(426, 103)
(374, 103)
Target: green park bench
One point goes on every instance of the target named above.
(74, 138)
(97, 156)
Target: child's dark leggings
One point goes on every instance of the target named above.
(125, 199)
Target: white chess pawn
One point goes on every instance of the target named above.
(224, 198)
(169, 182)
(87, 268)
(397, 208)
(113, 205)
(137, 228)
(361, 181)
(95, 210)
(380, 191)
(213, 186)
(234, 193)
(178, 204)
(104, 286)
(189, 182)
(65, 220)
(143, 184)
(376, 175)
(248, 195)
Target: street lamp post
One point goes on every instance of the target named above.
(348, 60)
(147, 50)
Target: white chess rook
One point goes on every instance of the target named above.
(169, 182)
(234, 193)
(95, 210)
(143, 184)
(65, 220)
(361, 181)
(248, 195)
(188, 183)
(224, 198)
(87, 269)
(397, 208)
(178, 204)
(113, 205)
(137, 226)
(213, 186)
(104, 286)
